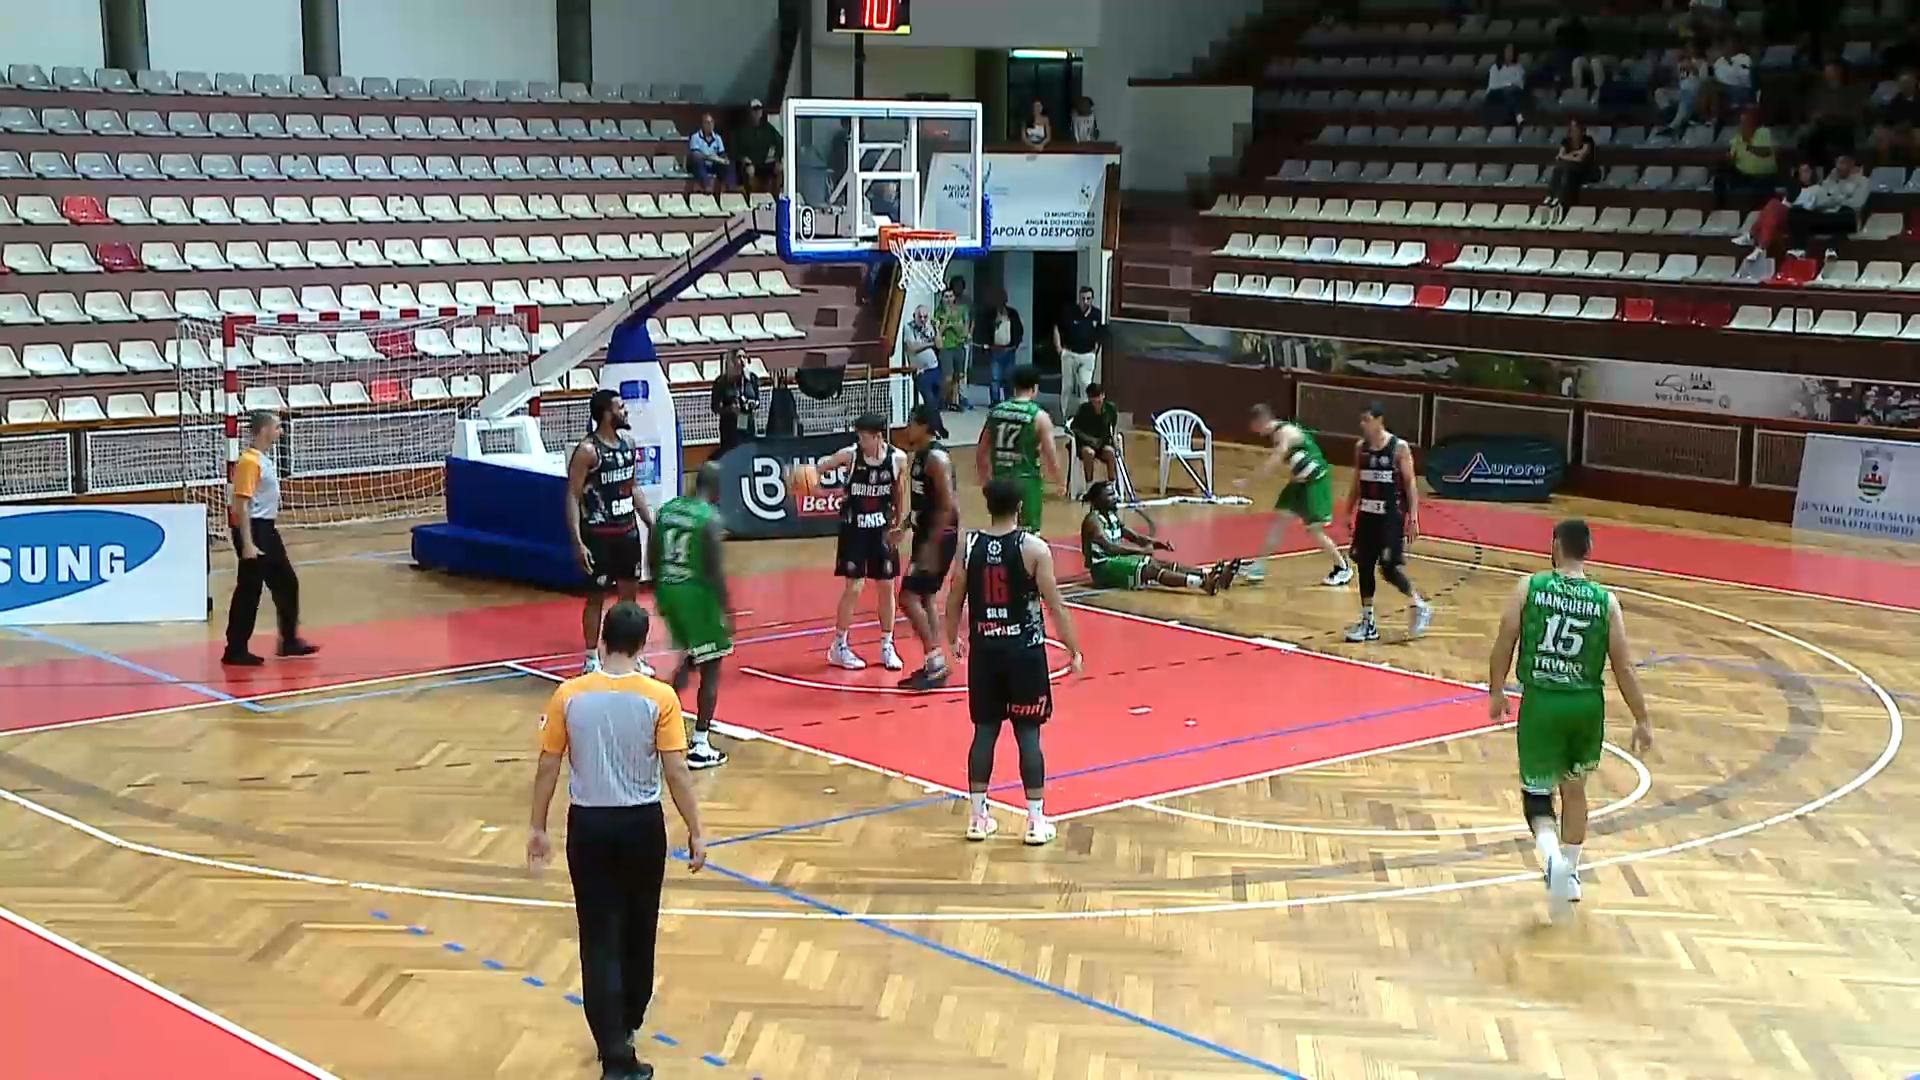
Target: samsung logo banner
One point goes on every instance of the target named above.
(80, 565)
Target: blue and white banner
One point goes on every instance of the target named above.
(103, 564)
(1041, 202)
(1859, 487)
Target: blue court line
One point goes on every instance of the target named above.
(139, 669)
(1002, 970)
(534, 981)
(1838, 682)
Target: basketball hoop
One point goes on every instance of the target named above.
(923, 255)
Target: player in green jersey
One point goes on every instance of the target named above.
(1567, 629)
(1017, 442)
(690, 590)
(1307, 496)
(1120, 558)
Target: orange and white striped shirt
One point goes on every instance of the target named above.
(257, 480)
(613, 729)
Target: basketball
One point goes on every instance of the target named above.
(804, 479)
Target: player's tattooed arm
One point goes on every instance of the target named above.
(1049, 453)
(1403, 469)
(579, 467)
(946, 507)
(1500, 660)
(1620, 656)
(983, 452)
(902, 495)
(1040, 561)
(957, 600)
(835, 460)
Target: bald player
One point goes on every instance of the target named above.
(690, 589)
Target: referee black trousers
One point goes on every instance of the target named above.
(271, 570)
(617, 856)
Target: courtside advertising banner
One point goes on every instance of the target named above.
(755, 502)
(1859, 487)
(1495, 468)
(1041, 202)
(103, 564)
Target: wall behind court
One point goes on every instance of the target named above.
(52, 32)
(726, 46)
(224, 35)
(458, 39)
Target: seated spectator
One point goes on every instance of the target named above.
(707, 156)
(1039, 130)
(1705, 19)
(1898, 133)
(1622, 91)
(1573, 166)
(1690, 76)
(1831, 209)
(1833, 117)
(1573, 56)
(1770, 225)
(758, 147)
(1751, 170)
(1086, 128)
(1507, 87)
(1732, 77)
(1095, 427)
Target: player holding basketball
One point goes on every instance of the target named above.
(1118, 557)
(1003, 574)
(1017, 442)
(1568, 629)
(936, 538)
(605, 509)
(873, 515)
(1308, 494)
(690, 590)
(1386, 517)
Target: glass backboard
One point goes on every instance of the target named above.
(853, 166)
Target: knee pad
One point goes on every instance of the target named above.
(1536, 805)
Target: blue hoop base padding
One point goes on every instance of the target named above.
(784, 238)
(503, 523)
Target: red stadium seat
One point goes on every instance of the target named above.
(1673, 313)
(1794, 272)
(1913, 228)
(386, 391)
(115, 257)
(1430, 296)
(1440, 253)
(1712, 316)
(1636, 309)
(83, 210)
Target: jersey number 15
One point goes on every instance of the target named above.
(1564, 635)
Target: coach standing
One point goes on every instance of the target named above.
(1077, 337)
(252, 511)
(621, 733)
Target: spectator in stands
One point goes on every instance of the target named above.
(998, 329)
(758, 147)
(1750, 170)
(955, 327)
(1833, 117)
(883, 201)
(1574, 166)
(1085, 127)
(1095, 427)
(1770, 224)
(707, 156)
(922, 349)
(1705, 19)
(1573, 53)
(735, 397)
(1507, 86)
(1898, 133)
(1690, 76)
(1038, 133)
(1904, 53)
(1832, 209)
(1732, 77)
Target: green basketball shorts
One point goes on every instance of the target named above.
(1119, 572)
(694, 621)
(1559, 736)
(1311, 501)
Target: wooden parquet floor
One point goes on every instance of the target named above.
(345, 878)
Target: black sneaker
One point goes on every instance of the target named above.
(924, 680)
(241, 659)
(1364, 630)
(1232, 572)
(705, 757)
(298, 647)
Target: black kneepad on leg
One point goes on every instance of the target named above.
(1535, 805)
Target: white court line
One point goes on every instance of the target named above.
(1643, 785)
(166, 995)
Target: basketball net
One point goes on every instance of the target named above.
(923, 255)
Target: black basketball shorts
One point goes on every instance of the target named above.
(616, 556)
(1009, 684)
(865, 553)
(927, 582)
(1380, 539)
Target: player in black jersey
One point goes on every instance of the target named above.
(1002, 576)
(1385, 504)
(605, 509)
(873, 518)
(936, 537)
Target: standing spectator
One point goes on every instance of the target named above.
(734, 399)
(922, 347)
(955, 328)
(1095, 427)
(1077, 337)
(1833, 209)
(707, 156)
(1574, 166)
(1898, 133)
(1750, 169)
(621, 734)
(1038, 133)
(252, 512)
(1086, 128)
(1833, 118)
(1732, 77)
(758, 147)
(998, 329)
(1507, 86)
(1690, 77)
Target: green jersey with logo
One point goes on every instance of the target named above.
(1016, 441)
(1564, 630)
(682, 524)
(1306, 460)
(1110, 531)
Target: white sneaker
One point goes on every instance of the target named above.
(981, 826)
(705, 757)
(841, 655)
(591, 664)
(1040, 831)
(888, 658)
(1559, 887)
(1576, 885)
(644, 668)
(1337, 576)
(1364, 630)
(1254, 573)
(1421, 618)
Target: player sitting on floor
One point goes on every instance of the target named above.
(1119, 558)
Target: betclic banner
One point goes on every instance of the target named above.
(755, 501)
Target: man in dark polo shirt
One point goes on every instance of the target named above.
(757, 148)
(1095, 430)
(1077, 337)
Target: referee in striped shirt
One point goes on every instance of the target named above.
(621, 733)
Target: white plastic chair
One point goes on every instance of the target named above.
(1176, 429)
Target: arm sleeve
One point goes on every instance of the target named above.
(246, 476)
(669, 728)
(553, 722)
